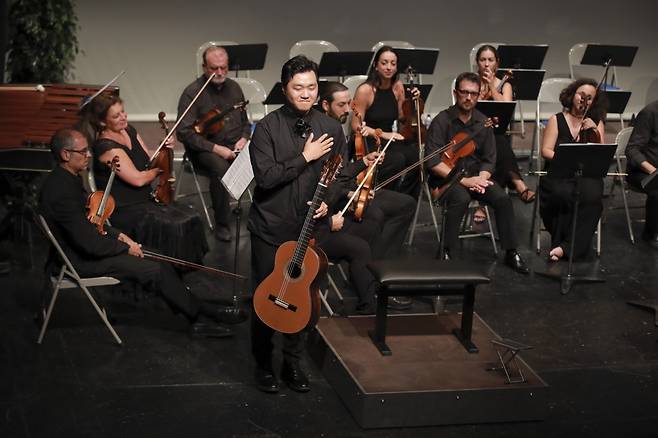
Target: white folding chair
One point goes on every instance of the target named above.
(312, 49)
(255, 93)
(620, 153)
(202, 48)
(331, 283)
(68, 278)
(467, 222)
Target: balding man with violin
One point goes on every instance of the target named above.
(62, 204)
(213, 149)
(475, 182)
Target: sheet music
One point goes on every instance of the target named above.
(238, 177)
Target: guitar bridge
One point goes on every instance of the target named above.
(281, 303)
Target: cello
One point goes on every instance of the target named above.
(100, 204)
(288, 299)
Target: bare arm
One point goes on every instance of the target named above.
(550, 137)
(129, 172)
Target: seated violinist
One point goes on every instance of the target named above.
(213, 152)
(62, 203)
(476, 182)
(584, 109)
(174, 230)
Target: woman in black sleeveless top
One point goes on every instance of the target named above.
(507, 173)
(174, 230)
(557, 195)
(379, 100)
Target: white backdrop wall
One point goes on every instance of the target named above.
(156, 42)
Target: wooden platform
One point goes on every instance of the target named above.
(428, 380)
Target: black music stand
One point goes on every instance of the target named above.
(503, 111)
(589, 160)
(423, 88)
(343, 64)
(528, 56)
(617, 100)
(421, 60)
(526, 83)
(600, 54)
(276, 96)
(246, 57)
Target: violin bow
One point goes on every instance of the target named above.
(370, 170)
(180, 119)
(105, 87)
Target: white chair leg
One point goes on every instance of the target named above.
(598, 239)
(102, 314)
(49, 312)
(200, 193)
(491, 231)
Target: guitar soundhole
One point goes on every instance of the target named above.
(294, 271)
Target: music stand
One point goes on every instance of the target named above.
(530, 56)
(276, 96)
(589, 160)
(600, 54)
(343, 64)
(421, 60)
(502, 110)
(246, 57)
(423, 88)
(526, 84)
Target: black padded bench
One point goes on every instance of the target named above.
(420, 277)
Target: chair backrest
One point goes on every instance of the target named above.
(473, 65)
(353, 82)
(255, 93)
(202, 48)
(578, 70)
(575, 55)
(395, 44)
(312, 49)
(70, 270)
(622, 141)
(549, 95)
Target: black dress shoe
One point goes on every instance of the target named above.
(209, 330)
(294, 377)
(229, 315)
(266, 381)
(399, 303)
(366, 308)
(223, 233)
(650, 238)
(446, 254)
(513, 260)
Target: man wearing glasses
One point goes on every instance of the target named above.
(215, 152)
(476, 182)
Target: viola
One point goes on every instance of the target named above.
(164, 160)
(288, 300)
(485, 91)
(364, 179)
(590, 135)
(212, 122)
(100, 204)
(411, 127)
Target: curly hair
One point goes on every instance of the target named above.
(598, 107)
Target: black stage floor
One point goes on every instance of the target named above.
(598, 354)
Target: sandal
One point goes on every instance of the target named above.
(479, 216)
(527, 196)
(556, 254)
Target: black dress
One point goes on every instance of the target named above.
(175, 230)
(400, 154)
(557, 202)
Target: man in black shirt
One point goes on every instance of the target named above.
(62, 204)
(214, 153)
(642, 153)
(476, 183)
(287, 152)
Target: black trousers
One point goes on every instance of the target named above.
(557, 203)
(635, 178)
(507, 167)
(393, 211)
(351, 244)
(456, 201)
(262, 264)
(216, 166)
(399, 155)
(156, 277)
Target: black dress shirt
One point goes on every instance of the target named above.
(643, 144)
(236, 123)
(62, 203)
(447, 123)
(285, 182)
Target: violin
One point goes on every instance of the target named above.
(485, 91)
(212, 122)
(100, 204)
(164, 160)
(410, 127)
(364, 179)
(589, 135)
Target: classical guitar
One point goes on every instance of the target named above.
(288, 299)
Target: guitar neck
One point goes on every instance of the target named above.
(309, 224)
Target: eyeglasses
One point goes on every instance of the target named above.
(464, 93)
(302, 128)
(84, 151)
